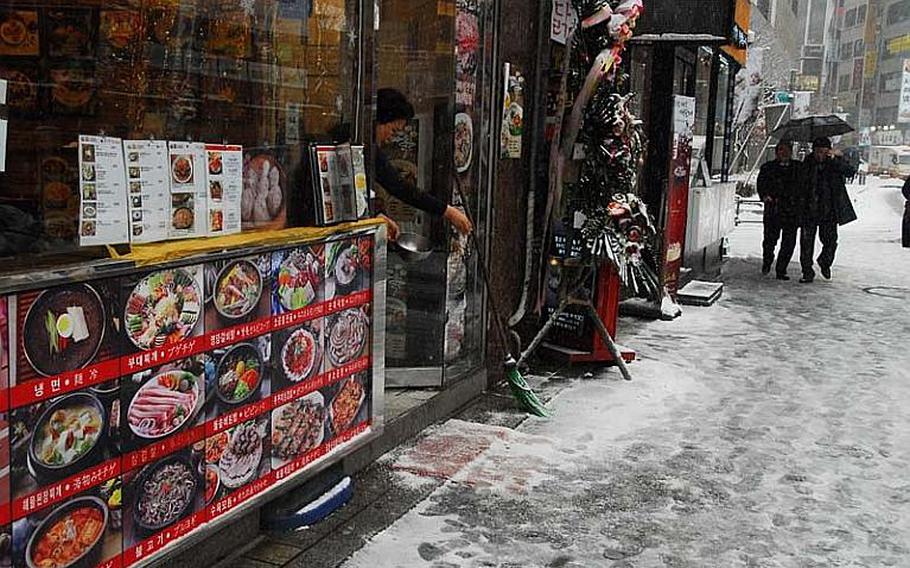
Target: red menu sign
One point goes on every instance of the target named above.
(678, 190)
(215, 380)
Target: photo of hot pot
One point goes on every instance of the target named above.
(72, 536)
(68, 437)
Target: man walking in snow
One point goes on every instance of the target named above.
(778, 187)
(825, 205)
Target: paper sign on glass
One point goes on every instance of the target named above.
(102, 189)
(224, 180)
(189, 201)
(149, 193)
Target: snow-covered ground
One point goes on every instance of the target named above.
(770, 430)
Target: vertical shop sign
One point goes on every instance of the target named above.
(562, 21)
(678, 189)
(102, 188)
(512, 113)
(903, 109)
(467, 46)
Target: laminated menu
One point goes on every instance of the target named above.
(323, 181)
(361, 190)
(224, 179)
(102, 186)
(189, 191)
(149, 193)
(339, 182)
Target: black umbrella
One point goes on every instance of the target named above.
(811, 127)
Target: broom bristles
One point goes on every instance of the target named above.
(522, 392)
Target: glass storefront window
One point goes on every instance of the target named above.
(702, 90)
(720, 114)
(435, 53)
(266, 75)
(415, 56)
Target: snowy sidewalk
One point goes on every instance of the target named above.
(768, 430)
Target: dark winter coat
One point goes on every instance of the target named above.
(905, 222)
(781, 183)
(824, 197)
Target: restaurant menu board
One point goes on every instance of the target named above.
(224, 168)
(146, 191)
(339, 182)
(189, 191)
(361, 189)
(147, 181)
(144, 406)
(103, 215)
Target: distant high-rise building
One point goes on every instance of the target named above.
(870, 43)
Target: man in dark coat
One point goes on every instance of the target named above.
(905, 229)
(825, 205)
(778, 187)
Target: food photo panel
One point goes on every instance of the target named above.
(237, 291)
(54, 441)
(5, 482)
(348, 266)
(160, 404)
(298, 278)
(297, 354)
(159, 498)
(85, 531)
(66, 330)
(298, 428)
(163, 309)
(347, 337)
(238, 375)
(234, 460)
(348, 403)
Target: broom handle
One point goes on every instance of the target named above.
(482, 268)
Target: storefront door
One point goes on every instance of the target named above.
(438, 54)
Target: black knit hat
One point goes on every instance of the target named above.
(821, 143)
(392, 105)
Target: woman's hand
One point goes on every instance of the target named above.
(392, 226)
(458, 220)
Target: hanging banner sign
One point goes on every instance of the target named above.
(903, 108)
(678, 193)
(562, 21)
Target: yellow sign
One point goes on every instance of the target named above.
(737, 49)
(899, 45)
(871, 64)
(807, 82)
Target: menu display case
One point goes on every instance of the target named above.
(149, 406)
(149, 394)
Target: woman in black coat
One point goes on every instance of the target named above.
(905, 230)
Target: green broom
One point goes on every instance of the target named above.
(521, 390)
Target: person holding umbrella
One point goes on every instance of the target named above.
(825, 205)
(778, 187)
